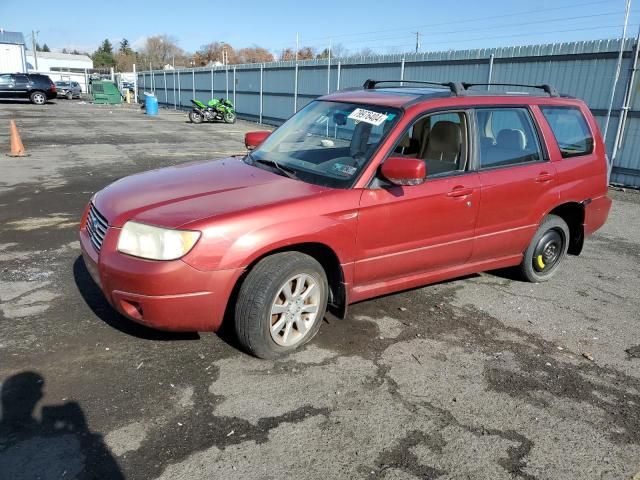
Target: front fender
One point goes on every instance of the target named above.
(236, 242)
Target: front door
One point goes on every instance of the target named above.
(411, 230)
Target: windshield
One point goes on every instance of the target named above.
(62, 84)
(327, 143)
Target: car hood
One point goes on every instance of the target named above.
(174, 196)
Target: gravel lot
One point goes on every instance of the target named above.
(481, 377)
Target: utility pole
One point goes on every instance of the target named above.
(34, 41)
(417, 41)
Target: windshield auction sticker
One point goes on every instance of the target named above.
(367, 116)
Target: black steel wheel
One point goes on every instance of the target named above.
(546, 251)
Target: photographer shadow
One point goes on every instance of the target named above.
(58, 445)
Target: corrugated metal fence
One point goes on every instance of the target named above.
(269, 93)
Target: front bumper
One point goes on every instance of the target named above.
(167, 295)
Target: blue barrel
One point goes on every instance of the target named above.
(151, 104)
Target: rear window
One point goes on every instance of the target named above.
(570, 129)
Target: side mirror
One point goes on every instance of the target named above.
(252, 140)
(404, 171)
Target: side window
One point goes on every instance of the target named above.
(507, 137)
(5, 80)
(439, 140)
(21, 79)
(570, 129)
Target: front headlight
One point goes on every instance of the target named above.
(155, 243)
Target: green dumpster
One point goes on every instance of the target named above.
(105, 92)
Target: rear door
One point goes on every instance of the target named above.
(411, 230)
(517, 181)
(21, 85)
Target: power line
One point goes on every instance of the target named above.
(509, 35)
(476, 29)
(489, 27)
(473, 19)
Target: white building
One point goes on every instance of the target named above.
(61, 66)
(44, 62)
(12, 52)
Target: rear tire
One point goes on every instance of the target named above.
(546, 251)
(281, 304)
(38, 98)
(195, 117)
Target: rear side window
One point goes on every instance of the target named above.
(507, 137)
(570, 129)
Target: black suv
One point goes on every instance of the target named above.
(34, 86)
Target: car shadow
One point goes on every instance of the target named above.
(58, 444)
(21, 101)
(94, 298)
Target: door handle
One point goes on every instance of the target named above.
(544, 177)
(460, 191)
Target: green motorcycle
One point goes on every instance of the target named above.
(217, 109)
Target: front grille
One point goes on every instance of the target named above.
(96, 227)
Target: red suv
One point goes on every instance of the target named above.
(359, 194)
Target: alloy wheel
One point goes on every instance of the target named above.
(294, 310)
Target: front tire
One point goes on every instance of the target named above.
(546, 251)
(229, 117)
(281, 304)
(38, 98)
(69, 95)
(195, 117)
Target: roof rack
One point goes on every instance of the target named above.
(455, 87)
(550, 90)
(461, 88)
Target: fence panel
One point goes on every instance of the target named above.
(582, 69)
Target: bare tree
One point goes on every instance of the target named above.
(161, 50)
(364, 52)
(287, 55)
(254, 54)
(215, 52)
(306, 53)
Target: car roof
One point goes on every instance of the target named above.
(403, 96)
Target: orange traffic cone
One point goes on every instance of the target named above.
(17, 149)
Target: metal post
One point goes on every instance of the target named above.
(618, 67)
(193, 82)
(329, 69)
(295, 89)
(338, 75)
(295, 80)
(166, 95)
(144, 81)
(175, 99)
(34, 41)
(212, 94)
(226, 72)
(179, 91)
(261, 75)
(234, 87)
(135, 83)
(491, 57)
(402, 72)
(626, 103)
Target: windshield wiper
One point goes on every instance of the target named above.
(289, 172)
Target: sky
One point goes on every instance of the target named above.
(385, 27)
